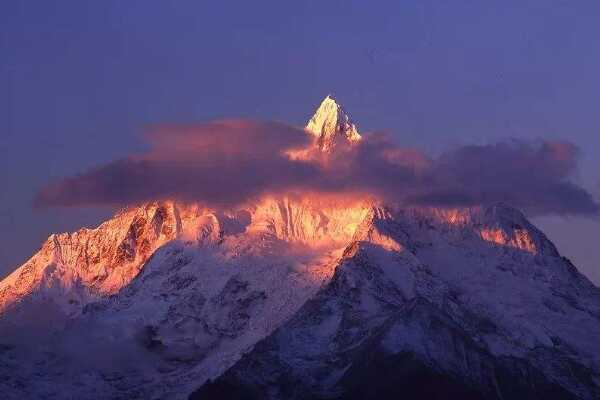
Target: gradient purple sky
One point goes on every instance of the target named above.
(80, 79)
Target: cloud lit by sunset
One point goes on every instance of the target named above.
(229, 162)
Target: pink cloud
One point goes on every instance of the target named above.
(228, 162)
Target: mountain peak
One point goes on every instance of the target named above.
(331, 123)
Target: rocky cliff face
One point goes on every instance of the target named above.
(302, 297)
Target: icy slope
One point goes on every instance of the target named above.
(432, 295)
(199, 302)
(72, 269)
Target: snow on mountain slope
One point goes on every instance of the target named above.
(331, 124)
(207, 304)
(426, 292)
(75, 268)
(301, 297)
(201, 300)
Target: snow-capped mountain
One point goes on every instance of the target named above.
(301, 297)
(330, 125)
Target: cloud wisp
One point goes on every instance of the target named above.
(229, 162)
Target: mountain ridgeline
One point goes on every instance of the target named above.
(301, 297)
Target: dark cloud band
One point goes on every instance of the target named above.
(225, 163)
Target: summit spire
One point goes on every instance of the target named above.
(330, 123)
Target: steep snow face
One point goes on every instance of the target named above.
(73, 269)
(225, 281)
(423, 288)
(312, 220)
(195, 289)
(330, 125)
(383, 280)
(197, 309)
